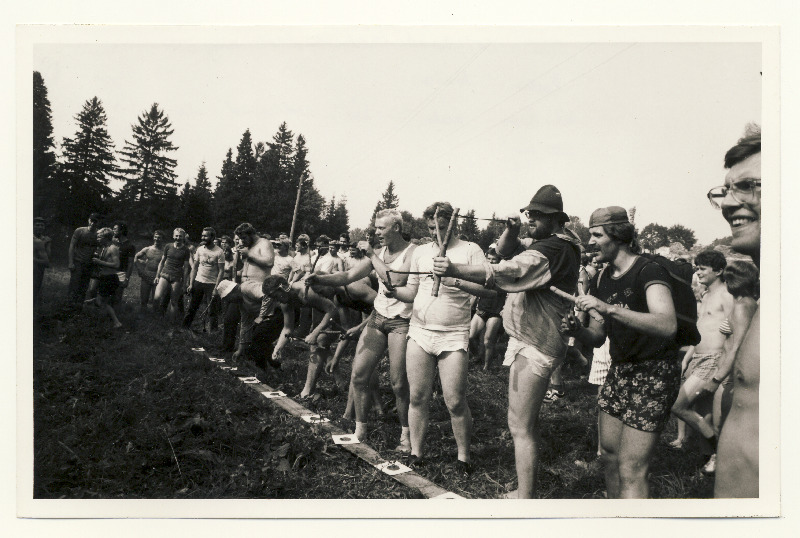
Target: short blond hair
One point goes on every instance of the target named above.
(394, 216)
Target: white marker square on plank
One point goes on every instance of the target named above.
(229, 368)
(214, 359)
(392, 467)
(198, 349)
(274, 394)
(314, 419)
(249, 380)
(348, 439)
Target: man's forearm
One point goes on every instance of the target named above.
(470, 273)
(507, 243)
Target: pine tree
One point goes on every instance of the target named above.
(311, 202)
(491, 233)
(237, 197)
(341, 217)
(222, 195)
(148, 172)
(389, 200)
(87, 165)
(196, 205)
(469, 227)
(46, 190)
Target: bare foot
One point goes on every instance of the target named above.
(510, 494)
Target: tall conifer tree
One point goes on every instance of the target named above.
(87, 165)
(45, 188)
(148, 171)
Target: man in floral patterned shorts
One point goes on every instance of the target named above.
(633, 296)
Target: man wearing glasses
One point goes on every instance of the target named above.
(740, 202)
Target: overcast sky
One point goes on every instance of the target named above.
(480, 125)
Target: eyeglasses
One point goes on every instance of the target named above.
(741, 191)
(532, 214)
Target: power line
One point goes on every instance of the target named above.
(425, 102)
(493, 126)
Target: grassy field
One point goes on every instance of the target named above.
(135, 414)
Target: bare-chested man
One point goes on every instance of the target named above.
(388, 324)
(147, 261)
(695, 400)
(107, 262)
(258, 256)
(740, 202)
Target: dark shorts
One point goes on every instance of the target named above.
(107, 285)
(485, 316)
(172, 279)
(388, 325)
(641, 394)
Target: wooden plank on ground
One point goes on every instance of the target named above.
(363, 451)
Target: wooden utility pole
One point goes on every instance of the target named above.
(296, 207)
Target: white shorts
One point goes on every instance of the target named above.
(251, 292)
(435, 343)
(540, 364)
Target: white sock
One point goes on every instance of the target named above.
(405, 432)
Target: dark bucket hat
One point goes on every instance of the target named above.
(547, 200)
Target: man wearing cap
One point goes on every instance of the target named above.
(81, 250)
(633, 296)
(283, 261)
(532, 314)
(41, 260)
(740, 202)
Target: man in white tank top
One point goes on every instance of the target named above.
(388, 323)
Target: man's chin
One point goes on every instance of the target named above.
(747, 239)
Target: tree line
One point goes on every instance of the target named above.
(257, 184)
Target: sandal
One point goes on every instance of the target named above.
(553, 395)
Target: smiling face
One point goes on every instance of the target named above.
(207, 237)
(179, 237)
(706, 275)
(744, 217)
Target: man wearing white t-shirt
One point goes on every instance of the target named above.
(207, 270)
(282, 265)
(439, 335)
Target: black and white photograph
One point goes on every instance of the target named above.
(516, 269)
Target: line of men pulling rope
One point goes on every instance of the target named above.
(420, 311)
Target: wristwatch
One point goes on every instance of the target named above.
(715, 380)
(457, 283)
